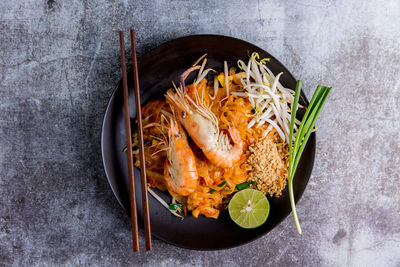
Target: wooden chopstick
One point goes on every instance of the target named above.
(135, 230)
(145, 202)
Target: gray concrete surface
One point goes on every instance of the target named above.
(59, 63)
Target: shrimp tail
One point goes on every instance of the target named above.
(235, 135)
(223, 154)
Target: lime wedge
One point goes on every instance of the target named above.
(249, 208)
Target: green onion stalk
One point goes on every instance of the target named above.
(297, 145)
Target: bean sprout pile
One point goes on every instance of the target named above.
(270, 100)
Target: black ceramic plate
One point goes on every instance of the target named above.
(156, 71)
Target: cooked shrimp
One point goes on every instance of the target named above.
(180, 171)
(203, 127)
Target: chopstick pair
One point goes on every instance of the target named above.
(147, 228)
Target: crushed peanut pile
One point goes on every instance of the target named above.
(268, 165)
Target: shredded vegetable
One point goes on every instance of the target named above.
(271, 103)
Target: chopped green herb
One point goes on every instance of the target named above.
(212, 191)
(222, 184)
(175, 207)
(243, 186)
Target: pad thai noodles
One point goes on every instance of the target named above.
(209, 138)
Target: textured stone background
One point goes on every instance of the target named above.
(59, 63)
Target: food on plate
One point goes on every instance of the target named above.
(222, 117)
(220, 134)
